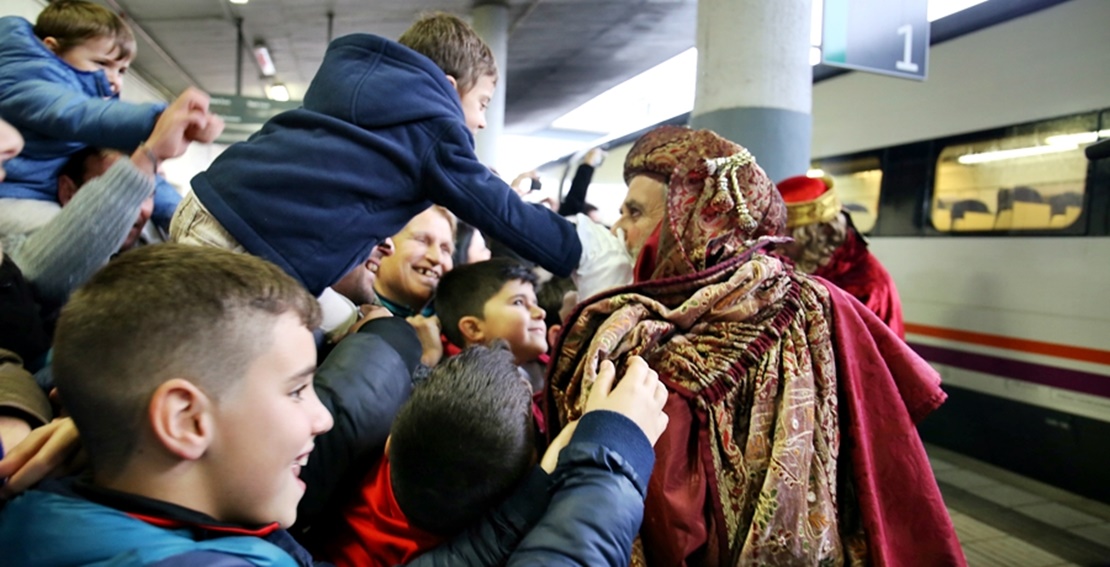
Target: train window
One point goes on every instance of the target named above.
(1032, 178)
(857, 181)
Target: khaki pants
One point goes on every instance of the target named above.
(193, 224)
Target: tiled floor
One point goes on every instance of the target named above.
(1005, 520)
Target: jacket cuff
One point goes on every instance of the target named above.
(621, 435)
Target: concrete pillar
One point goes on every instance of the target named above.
(491, 21)
(755, 84)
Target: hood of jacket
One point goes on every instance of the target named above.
(374, 83)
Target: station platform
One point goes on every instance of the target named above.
(1006, 520)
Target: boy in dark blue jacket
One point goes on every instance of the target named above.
(386, 131)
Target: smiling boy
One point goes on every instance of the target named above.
(188, 372)
(483, 302)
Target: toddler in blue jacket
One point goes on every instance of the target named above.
(59, 86)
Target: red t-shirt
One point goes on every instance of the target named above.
(374, 529)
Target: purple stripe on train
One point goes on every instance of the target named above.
(1063, 378)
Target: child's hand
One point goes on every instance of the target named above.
(428, 331)
(551, 455)
(208, 134)
(640, 396)
(45, 452)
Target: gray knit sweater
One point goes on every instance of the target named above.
(65, 252)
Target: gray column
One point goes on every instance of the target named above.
(491, 21)
(755, 84)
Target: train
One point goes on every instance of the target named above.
(973, 190)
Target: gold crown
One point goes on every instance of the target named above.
(822, 209)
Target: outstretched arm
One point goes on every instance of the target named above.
(90, 228)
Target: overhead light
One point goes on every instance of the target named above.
(1030, 151)
(238, 1)
(1080, 138)
(265, 62)
(278, 92)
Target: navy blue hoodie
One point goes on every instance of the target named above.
(380, 138)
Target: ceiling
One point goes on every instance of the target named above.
(561, 52)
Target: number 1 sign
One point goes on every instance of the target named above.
(890, 37)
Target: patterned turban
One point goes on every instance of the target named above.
(659, 152)
(720, 203)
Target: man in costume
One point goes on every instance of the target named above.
(792, 407)
(827, 244)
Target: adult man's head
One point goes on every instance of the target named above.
(693, 173)
(423, 254)
(813, 219)
(88, 164)
(358, 284)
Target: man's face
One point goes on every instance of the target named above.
(264, 427)
(515, 316)
(96, 54)
(358, 284)
(641, 212)
(423, 255)
(11, 143)
(476, 100)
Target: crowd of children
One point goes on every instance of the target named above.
(191, 370)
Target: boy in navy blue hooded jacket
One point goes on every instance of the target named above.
(386, 131)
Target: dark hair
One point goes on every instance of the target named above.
(550, 297)
(77, 164)
(453, 46)
(464, 291)
(73, 22)
(464, 234)
(160, 312)
(463, 440)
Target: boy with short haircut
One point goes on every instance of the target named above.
(59, 86)
(386, 130)
(493, 300)
(188, 372)
(464, 441)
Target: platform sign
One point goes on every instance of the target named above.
(244, 116)
(890, 37)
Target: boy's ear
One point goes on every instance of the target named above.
(181, 419)
(52, 44)
(67, 188)
(473, 330)
(454, 83)
(552, 336)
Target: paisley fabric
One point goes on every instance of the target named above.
(749, 471)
